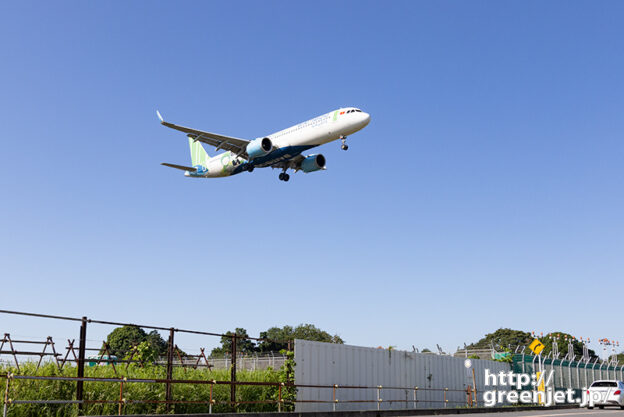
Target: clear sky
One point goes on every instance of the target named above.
(486, 191)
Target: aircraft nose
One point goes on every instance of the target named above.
(366, 118)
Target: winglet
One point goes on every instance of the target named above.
(159, 116)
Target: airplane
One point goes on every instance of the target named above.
(281, 150)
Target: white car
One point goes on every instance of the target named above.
(606, 392)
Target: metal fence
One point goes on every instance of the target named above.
(576, 375)
(76, 354)
(11, 351)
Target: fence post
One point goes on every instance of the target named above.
(415, 400)
(6, 395)
(121, 395)
(233, 373)
(211, 400)
(279, 400)
(474, 383)
(334, 398)
(169, 369)
(81, 362)
(445, 389)
(379, 397)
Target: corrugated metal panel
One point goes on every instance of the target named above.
(328, 364)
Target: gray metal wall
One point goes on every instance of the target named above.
(328, 364)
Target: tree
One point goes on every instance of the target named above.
(503, 338)
(562, 345)
(122, 339)
(157, 342)
(277, 337)
(243, 344)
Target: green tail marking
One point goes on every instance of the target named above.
(198, 153)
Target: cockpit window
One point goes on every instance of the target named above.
(358, 110)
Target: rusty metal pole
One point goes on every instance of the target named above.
(169, 368)
(6, 395)
(81, 362)
(233, 374)
(474, 386)
(120, 396)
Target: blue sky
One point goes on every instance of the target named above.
(486, 191)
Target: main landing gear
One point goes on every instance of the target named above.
(283, 176)
(249, 167)
(344, 145)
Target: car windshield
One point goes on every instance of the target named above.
(601, 384)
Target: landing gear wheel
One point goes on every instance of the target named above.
(281, 176)
(601, 407)
(286, 177)
(344, 146)
(250, 167)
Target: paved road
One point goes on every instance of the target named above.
(569, 412)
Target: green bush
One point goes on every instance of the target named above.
(66, 390)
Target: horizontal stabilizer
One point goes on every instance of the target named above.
(182, 167)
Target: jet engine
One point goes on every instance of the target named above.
(259, 147)
(313, 163)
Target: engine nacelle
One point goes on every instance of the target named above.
(313, 163)
(259, 147)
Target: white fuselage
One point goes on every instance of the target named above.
(296, 139)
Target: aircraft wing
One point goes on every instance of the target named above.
(292, 163)
(227, 143)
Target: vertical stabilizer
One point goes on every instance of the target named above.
(198, 153)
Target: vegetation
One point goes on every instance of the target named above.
(302, 331)
(275, 339)
(66, 390)
(122, 339)
(562, 343)
(243, 343)
(503, 338)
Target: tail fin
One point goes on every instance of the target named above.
(198, 153)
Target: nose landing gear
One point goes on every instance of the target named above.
(344, 145)
(283, 176)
